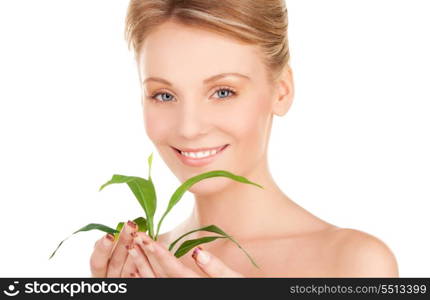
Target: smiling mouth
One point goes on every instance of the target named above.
(207, 152)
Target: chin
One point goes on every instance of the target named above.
(210, 186)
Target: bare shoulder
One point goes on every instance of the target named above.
(359, 254)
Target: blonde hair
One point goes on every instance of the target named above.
(263, 23)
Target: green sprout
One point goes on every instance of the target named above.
(144, 191)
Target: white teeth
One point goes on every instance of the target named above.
(199, 154)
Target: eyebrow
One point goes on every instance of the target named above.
(206, 81)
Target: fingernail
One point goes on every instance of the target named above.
(196, 251)
(201, 256)
(132, 224)
(107, 241)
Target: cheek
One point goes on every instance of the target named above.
(156, 128)
(249, 124)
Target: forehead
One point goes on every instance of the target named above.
(174, 49)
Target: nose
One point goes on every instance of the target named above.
(192, 120)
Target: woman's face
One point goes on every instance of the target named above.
(184, 109)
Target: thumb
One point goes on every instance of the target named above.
(212, 265)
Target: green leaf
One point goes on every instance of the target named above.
(215, 229)
(91, 226)
(211, 228)
(177, 195)
(190, 244)
(150, 164)
(141, 224)
(144, 191)
(119, 227)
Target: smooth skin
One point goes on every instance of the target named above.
(182, 109)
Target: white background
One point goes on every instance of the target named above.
(353, 149)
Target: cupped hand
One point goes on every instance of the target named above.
(153, 259)
(110, 258)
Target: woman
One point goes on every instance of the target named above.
(213, 75)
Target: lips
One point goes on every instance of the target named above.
(200, 149)
(197, 162)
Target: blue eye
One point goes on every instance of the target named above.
(226, 91)
(164, 99)
(222, 93)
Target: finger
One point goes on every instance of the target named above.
(119, 254)
(156, 268)
(212, 265)
(129, 267)
(164, 263)
(141, 261)
(100, 256)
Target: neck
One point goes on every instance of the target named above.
(244, 211)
